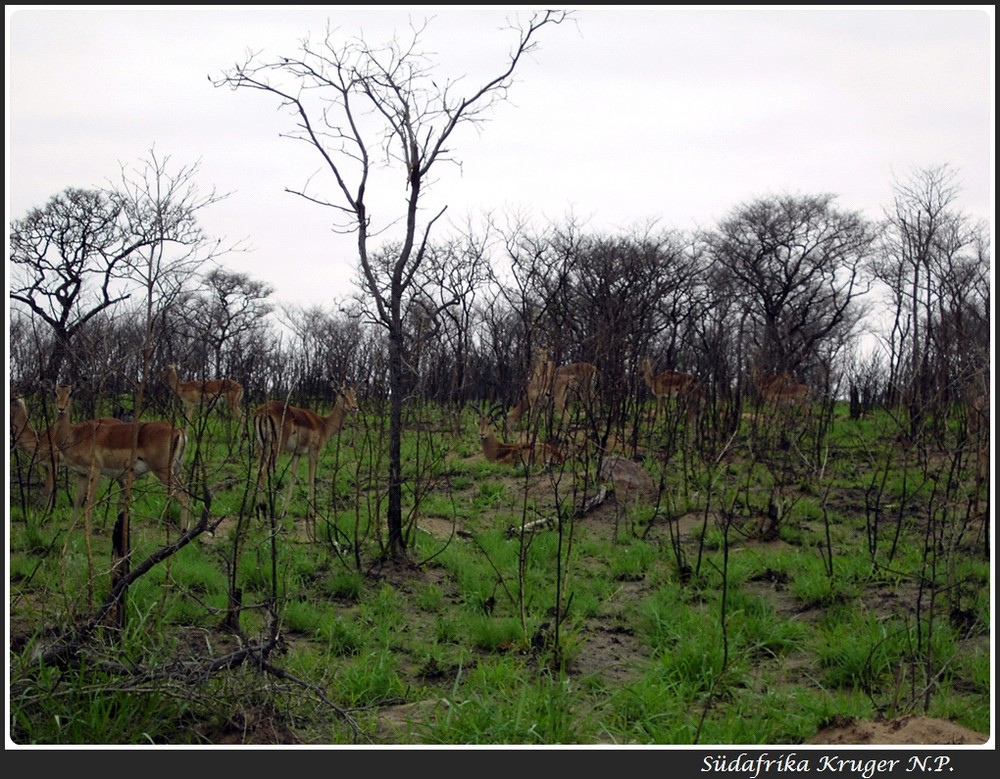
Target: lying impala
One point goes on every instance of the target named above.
(204, 394)
(281, 427)
(40, 447)
(97, 448)
(525, 454)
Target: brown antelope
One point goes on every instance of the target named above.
(539, 389)
(98, 447)
(281, 427)
(577, 379)
(40, 447)
(204, 394)
(781, 389)
(526, 454)
(552, 387)
(668, 385)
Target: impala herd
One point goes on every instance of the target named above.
(112, 448)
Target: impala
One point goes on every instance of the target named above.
(40, 447)
(781, 389)
(576, 378)
(109, 447)
(99, 447)
(555, 386)
(538, 391)
(281, 427)
(526, 454)
(668, 385)
(205, 393)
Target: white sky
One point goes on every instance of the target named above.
(676, 114)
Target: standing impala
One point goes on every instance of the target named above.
(281, 427)
(205, 393)
(98, 448)
(539, 390)
(668, 385)
(576, 379)
(40, 447)
(554, 387)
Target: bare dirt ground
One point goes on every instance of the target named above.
(904, 730)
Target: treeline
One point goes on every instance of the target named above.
(784, 284)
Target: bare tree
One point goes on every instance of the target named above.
(795, 263)
(516, 318)
(325, 352)
(362, 106)
(68, 258)
(230, 310)
(934, 265)
(454, 273)
(87, 250)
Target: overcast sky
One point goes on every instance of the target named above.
(675, 114)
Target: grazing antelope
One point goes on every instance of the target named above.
(525, 454)
(40, 447)
(668, 385)
(204, 394)
(281, 427)
(100, 447)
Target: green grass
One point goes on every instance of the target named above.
(752, 641)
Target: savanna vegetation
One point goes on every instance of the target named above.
(785, 529)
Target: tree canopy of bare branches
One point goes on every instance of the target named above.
(85, 251)
(795, 264)
(364, 107)
(934, 266)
